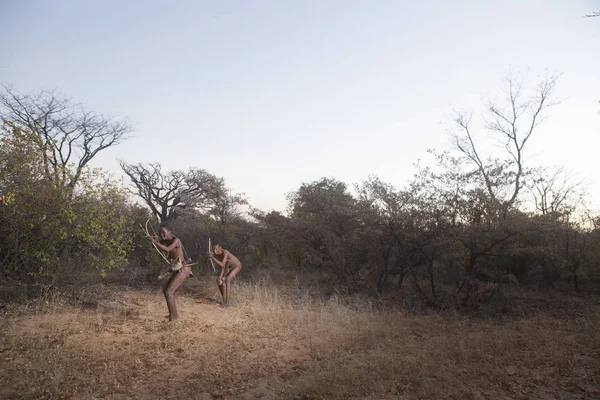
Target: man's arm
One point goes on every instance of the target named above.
(176, 243)
(220, 263)
(220, 279)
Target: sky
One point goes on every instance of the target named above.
(271, 94)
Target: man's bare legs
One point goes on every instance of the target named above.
(227, 284)
(171, 286)
(221, 285)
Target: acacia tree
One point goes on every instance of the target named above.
(67, 135)
(165, 192)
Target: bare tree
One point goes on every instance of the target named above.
(67, 133)
(515, 123)
(555, 191)
(164, 192)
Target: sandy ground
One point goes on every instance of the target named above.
(263, 347)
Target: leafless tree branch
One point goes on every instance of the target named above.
(67, 133)
(515, 123)
(164, 192)
(555, 190)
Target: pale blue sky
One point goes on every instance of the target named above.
(268, 94)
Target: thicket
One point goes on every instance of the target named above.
(457, 234)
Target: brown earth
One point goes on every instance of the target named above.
(271, 346)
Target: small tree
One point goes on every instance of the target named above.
(324, 220)
(389, 216)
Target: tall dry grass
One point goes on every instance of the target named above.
(357, 350)
(284, 342)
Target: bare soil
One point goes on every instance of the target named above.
(275, 345)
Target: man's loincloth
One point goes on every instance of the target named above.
(176, 265)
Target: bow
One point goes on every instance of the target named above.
(147, 232)
(210, 251)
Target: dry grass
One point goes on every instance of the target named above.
(282, 343)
